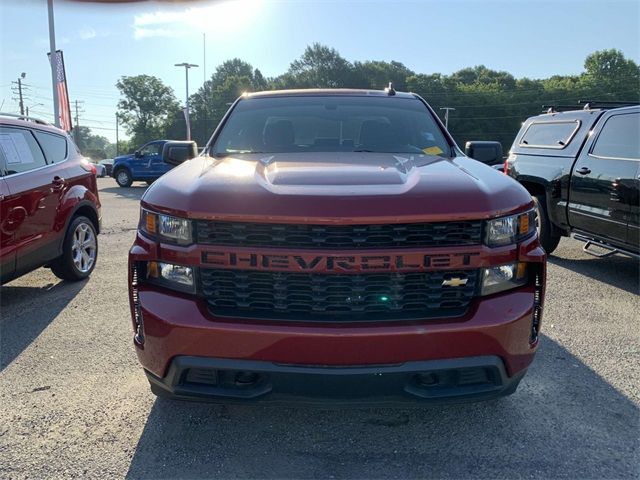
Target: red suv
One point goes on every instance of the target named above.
(49, 205)
(335, 245)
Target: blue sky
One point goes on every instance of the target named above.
(101, 43)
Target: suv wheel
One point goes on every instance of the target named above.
(123, 178)
(79, 252)
(548, 241)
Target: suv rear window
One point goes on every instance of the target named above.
(54, 146)
(331, 124)
(549, 134)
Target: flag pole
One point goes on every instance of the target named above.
(52, 46)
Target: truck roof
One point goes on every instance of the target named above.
(351, 92)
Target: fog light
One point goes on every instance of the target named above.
(503, 277)
(177, 277)
(427, 379)
(246, 378)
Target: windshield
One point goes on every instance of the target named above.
(331, 124)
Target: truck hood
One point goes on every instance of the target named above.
(336, 187)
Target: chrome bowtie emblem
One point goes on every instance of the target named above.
(454, 282)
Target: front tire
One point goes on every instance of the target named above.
(79, 251)
(123, 178)
(548, 240)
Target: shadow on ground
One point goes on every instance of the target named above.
(618, 271)
(564, 421)
(133, 192)
(22, 316)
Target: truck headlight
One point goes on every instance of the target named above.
(176, 277)
(165, 227)
(510, 230)
(503, 277)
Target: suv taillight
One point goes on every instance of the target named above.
(88, 166)
(505, 166)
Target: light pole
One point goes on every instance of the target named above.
(117, 151)
(187, 66)
(446, 116)
(52, 46)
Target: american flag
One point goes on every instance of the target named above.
(63, 97)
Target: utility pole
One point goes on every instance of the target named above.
(187, 66)
(20, 90)
(20, 93)
(76, 128)
(446, 116)
(52, 47)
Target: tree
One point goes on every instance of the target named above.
(146, 106)
(96, 147)
(378, 74)
(610, 75)
(212, 100)
(319, 67)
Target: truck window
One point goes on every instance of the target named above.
(619, 138)
(331, 124)
(151, 149)
(549, 134)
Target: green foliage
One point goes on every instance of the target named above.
(146, 107)
(95, 147)
(489, 104)
(319, 66)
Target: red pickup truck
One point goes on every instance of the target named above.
(334, 246)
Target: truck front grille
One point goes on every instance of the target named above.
(401, 235)
(336, 297)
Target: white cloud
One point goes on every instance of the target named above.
(86, 33)
(221, 16)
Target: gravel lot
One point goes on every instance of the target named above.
(74, 402)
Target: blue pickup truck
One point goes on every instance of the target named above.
(144, 164)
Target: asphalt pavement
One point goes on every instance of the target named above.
(75, 403)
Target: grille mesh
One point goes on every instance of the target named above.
(338, 236)
(336, 297)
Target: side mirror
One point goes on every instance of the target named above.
(489, 153)
(137, 154)
(175, 153)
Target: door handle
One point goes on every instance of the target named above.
(57, 182)
(584, 171)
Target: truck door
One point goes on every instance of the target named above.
(633, 229)
(157, 166)
(601, 194)
(151, 156)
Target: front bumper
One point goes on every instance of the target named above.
(297, 358)
(430, 382)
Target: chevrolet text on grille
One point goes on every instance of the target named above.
(356, 262)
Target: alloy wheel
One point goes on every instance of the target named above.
(83, 248)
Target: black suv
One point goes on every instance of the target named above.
(582, 168)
